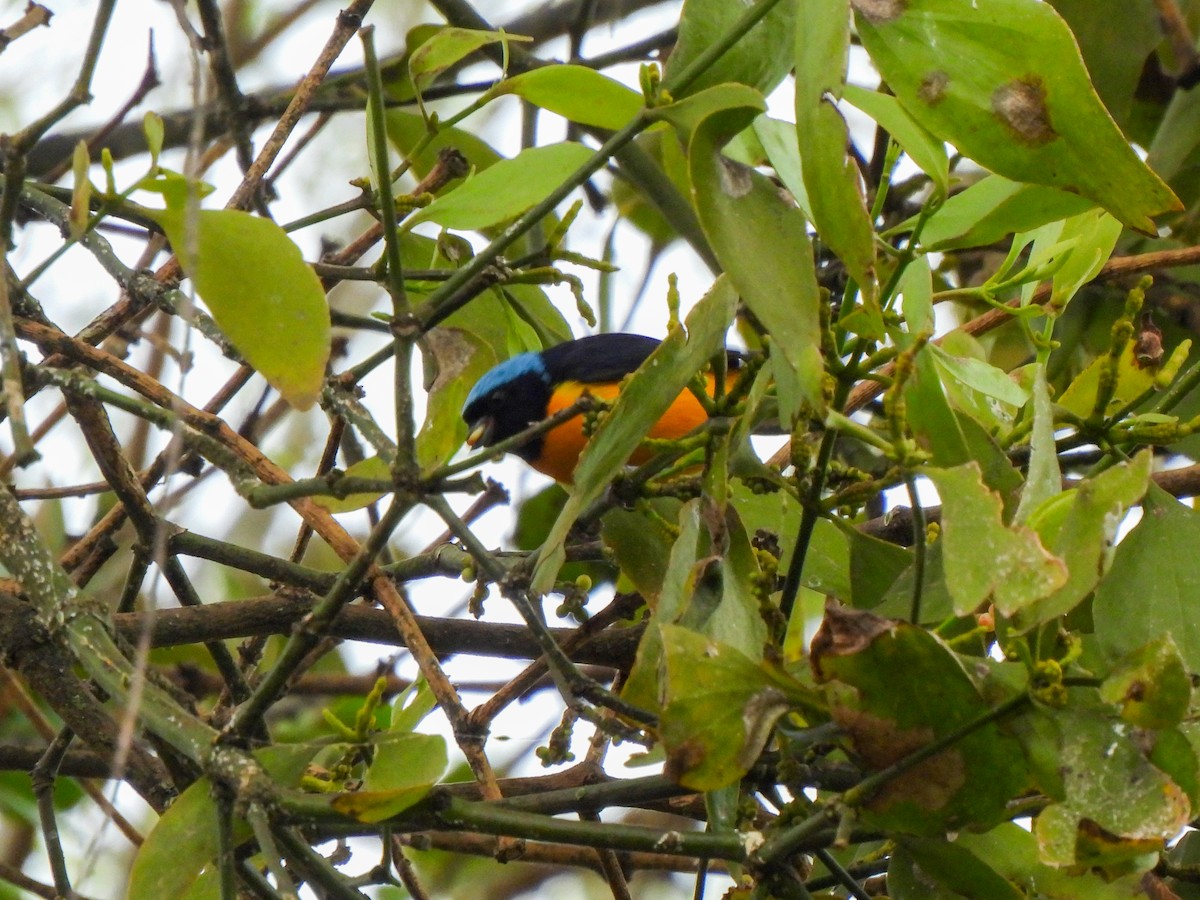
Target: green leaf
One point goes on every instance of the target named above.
(640, 541)
(447, 47)
(1087, 241)
(953, 868)
(403, 770)
(832, 179)
(531, 313)
(1151, 685)
(782, 146)
(992, 209)
(409, 133)
(182, 847)
(936, 602)
(663, 149)
(1174, 753)
(1117, 806)
(642, 401)
(494, 326)
(1151, 589)
(506, 189)
(1013, 852)
(841, 561)
(953, 438)
(181, 844)
(261, 293)
(916, 301)
(1114, 45)
(1003, 81)
(412, 705)
(760, 59)
(875, 566)
(895, 688)
(1084, 539)
(518, 318)
(974, 387)
(1175, 142)
(719, 710)
(922, 147)
(641, 688)
(577, 93)
(1132, 381)
(979, 376)
(1045, 478)
(708, 585)
(984, 559)
(689, 114)
(745, 219)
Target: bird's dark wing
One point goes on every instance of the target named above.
(598, 358)
(602, 358)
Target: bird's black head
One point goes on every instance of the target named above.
(516, 393)
(507, 400)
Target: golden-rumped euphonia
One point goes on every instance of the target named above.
(533, 386)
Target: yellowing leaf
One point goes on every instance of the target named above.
(261, 293)
(374, 467)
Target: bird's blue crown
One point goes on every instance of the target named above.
(509, 370)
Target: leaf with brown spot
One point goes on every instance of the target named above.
(895, 688)
(930, 784)
(844, 631)
(1004, 82)
(1021, 105)
(1151, 685)
(879, 10)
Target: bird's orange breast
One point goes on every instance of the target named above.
(562, 445)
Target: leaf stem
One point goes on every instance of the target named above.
(919, 547)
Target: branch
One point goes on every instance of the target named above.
(35, 14)
(28, 647)
(279, 613)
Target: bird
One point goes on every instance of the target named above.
(533, 386)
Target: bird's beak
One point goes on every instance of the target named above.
(481, 432)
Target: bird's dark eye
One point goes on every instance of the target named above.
(499, 399)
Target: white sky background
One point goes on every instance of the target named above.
(74, 290)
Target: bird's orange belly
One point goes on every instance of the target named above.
(562, 445)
